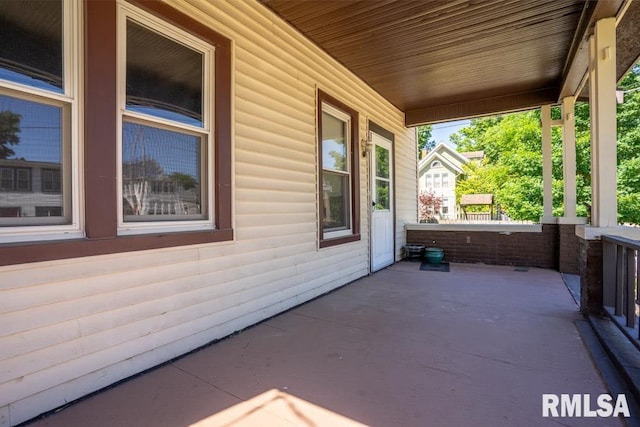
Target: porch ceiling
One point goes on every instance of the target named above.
(440, 60)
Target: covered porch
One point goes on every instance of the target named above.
(454, 60)
(478, 345)
(402, 347)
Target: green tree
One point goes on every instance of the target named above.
(482, 178)
(512, 170)
(628, 121)
(9, 130)
(184, 180)
(424, 139)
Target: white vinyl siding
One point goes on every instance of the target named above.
(70, 327)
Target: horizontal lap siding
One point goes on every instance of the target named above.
(70, 327)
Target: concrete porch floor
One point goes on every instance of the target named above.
(403, 347)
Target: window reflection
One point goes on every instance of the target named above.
(164, 78)
(334, 150)
(382, 162)
(382, 195)
(161, 173)
(30, 156)
(335, 189)
(31, 47)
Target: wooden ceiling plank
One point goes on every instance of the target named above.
(383, 19)
(467, 53)
(445, 52)
(434, 37)
(482, 17)
(385, 23)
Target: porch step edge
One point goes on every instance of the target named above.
(623, 353)
(615, 380)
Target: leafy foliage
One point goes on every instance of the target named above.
(146, 168)
(184, 180)
(512, 169)
(629, 149)
(9, 130)
(424, 139)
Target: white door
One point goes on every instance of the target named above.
(382, 227)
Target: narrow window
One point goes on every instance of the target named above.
(338, 177)
(445, 180)
(429, 181)
(7, 179)
(166, 136)
(50, 180)
(23, 179)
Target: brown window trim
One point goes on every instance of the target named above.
(355, 171)
(100, 119)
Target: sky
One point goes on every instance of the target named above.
(440, 132)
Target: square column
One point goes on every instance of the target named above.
(569, 156)
(602, 99)
(547, 175)
(604, 165)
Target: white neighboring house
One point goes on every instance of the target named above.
(29, 189)
(438, 172)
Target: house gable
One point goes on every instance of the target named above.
(447, 156)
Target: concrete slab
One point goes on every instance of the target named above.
(403, 347)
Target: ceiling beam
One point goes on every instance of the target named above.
(577, 65)
(481, 107)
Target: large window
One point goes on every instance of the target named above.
(338, 171)
(38, 116)
(156, 151)
(166, 127)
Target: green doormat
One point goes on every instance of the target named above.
(443, 266)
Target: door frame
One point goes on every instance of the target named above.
(375, 128)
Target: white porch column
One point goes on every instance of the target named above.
(547, 176)
(602, 100)
(569, 156)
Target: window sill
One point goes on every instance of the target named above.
(339, 240)
(23, 252)
(133, 229)
(36, 234)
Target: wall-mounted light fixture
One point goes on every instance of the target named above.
(366, 145)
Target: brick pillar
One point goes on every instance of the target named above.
(590, 269)
(569, 249)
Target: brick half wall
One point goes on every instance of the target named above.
(530, 249)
